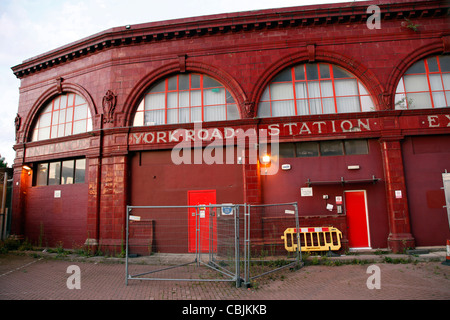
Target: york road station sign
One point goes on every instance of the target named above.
(291, 129)
(275, 129)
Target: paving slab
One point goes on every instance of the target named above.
(33, 277)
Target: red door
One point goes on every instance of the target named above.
(356, 210)
(206, 233)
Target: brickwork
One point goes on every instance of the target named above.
(23, 277)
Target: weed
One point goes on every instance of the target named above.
(41, 234)
(380, 252)
(396, 260)
(11, 243)
(411, 25)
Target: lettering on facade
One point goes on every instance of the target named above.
(276, 129)
(290, 129)
(231, 135)
(59, 147)
(321, 127)
(438, 121)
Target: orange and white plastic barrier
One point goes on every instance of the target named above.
(313, 239)
(447, 258)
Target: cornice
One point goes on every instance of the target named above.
(305, 16)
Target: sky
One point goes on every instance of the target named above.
(31, 27)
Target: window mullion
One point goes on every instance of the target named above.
(427, 73)
(359, 94)
(334, 89)
(270, 100)
(74, 170)
(48, 173)
(442, 80)
(319, 80)
(307, 88)
(51, 117)
(404, 90)
(178, 99)
(59, 119)
(190, 96)
(293, 88)
(60, 171)
(73, 113)
(166, 97)
(65, 116)
(201, 97)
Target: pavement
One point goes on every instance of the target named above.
(420, 275)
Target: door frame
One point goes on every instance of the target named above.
(197, 223)
(367, 220)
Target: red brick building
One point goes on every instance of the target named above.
(360, 111)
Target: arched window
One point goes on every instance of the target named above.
(426, 84)
(65, 115)
(185, 98)
(314, 88)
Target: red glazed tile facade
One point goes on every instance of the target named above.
(242, 51)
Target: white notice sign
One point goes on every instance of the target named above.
(306, 192)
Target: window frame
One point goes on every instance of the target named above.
(401, 94)
(169, 88)
(318, 146)
(62, 115)
(325, 81)
(59, 176)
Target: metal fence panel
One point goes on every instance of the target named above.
(265, 251)
(183, 243)
(229, 242)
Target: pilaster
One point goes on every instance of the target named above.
(400, 237)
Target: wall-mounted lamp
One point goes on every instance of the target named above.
(265, 159)
(27, 169)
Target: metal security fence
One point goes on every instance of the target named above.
(264, 246)
(183, 243)
(228, 242)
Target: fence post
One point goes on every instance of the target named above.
(197, 235)
(236, 246)
(297, 226)
(247, 243)
(126, 244)
(211, 235)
